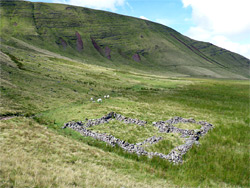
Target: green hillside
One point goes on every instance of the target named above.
(48, 77)
(112, 40)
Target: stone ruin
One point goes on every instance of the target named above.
(175, 155)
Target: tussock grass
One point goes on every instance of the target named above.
(54, 90)
(134, 134)
(33, 156)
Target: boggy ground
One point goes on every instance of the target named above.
(46, 91)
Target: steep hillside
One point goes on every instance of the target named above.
(112, 40)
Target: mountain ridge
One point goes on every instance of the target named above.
(116, 41)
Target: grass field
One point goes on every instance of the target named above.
(45, 90)
(45, 81)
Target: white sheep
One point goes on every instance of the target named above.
(91, 99)
(107, 96)
(99, 100)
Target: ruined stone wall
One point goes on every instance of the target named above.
(175, 156)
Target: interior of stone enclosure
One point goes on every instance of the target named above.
(133, 133)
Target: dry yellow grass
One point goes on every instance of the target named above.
(33, 156)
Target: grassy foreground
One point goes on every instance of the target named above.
(50, 90)
(33, 156)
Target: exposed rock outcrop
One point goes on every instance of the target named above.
(79, 43)
(63, 43)
(107, 52)
(136, 57)
(97, 47)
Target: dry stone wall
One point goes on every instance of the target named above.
(151, 140)
(175, 156)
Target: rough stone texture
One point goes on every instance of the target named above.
(175, 156)
(79, 43)
(109, 139)
(136, 57)
(107, 52)
(151, 140)
(167, 126)
(124, 119)
(97, 47)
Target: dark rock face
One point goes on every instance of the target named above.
(136, 57)
(97, 47)
(112, 31)
(63, 43)
(175, 155)
(107, 52)
(79, 43)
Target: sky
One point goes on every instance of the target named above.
(225, 23)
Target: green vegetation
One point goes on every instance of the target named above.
(57, 90)
(134, 134)
(162, 50)
(29, 159)
(15, 60)
(52, 87)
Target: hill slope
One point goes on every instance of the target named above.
(113, 40)
(45, 81)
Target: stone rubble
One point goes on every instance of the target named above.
(151, 140)
(111, 116)
(167, 126)
(175, 156)
(109, 139)
(129, 120)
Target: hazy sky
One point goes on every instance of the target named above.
(225, 23)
